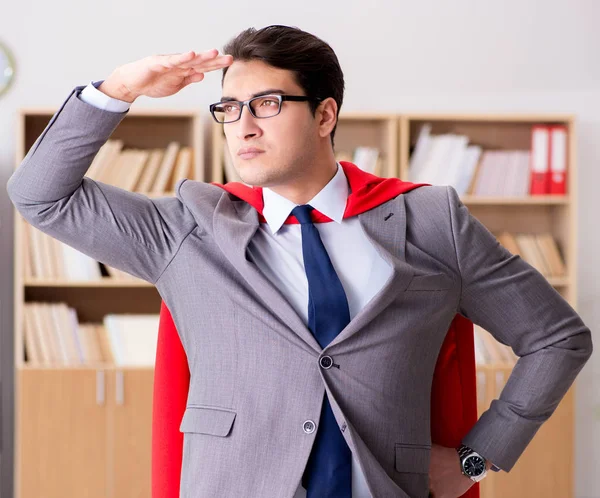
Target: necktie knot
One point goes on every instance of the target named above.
(302, 213)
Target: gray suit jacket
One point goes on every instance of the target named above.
(254, 365)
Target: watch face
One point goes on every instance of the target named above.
(474, 466)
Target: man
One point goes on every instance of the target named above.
(311, 312)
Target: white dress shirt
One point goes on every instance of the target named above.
(276, 249)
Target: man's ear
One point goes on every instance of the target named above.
(327, 115)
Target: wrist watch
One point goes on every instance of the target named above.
(472, 464)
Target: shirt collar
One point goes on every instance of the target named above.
(330, 201)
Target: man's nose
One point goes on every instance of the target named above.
(247, 125)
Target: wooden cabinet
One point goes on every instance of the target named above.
(129, 415)
(84, 433)
(62, 429)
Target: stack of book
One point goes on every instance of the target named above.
(368, 159)
(449, 159)
(132, 338)
(48, 258)
(539, 250)
(54, 336)
(150, 171)
(502, 173)
(488, 351)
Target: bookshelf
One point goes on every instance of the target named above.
(105, 447)
(85, 429)
(546, 468)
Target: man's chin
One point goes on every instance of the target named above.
(256, 178)
(250, 180)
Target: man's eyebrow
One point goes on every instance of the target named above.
(264, 92)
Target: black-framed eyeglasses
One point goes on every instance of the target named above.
(263, 106)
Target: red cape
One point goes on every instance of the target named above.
(453, 396)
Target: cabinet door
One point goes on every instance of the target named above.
(61, 444)
(130, 424)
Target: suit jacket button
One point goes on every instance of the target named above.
(309, 427)
(326, 362)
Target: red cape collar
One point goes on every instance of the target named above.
(366, 192)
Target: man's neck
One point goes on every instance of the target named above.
(302, 189)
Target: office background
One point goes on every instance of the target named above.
(397, 56)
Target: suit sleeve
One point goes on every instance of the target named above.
(171, 385)
(515, 303)
(123, 229)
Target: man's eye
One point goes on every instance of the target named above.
(269, 102)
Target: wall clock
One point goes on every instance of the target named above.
(7, 68)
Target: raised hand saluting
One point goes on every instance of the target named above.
(162, 75)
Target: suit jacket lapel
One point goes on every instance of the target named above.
(234, 223)
(385, 227)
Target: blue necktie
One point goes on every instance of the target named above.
(328, 473)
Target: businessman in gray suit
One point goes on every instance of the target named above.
(273, 409)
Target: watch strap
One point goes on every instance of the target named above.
(464, 450)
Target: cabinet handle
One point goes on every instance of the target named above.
(100, 387)
(120, 388)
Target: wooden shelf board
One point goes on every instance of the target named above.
(366, 116)
(105, 282)
(491, 117)
(542, 200)
(97, 366)
(133, 111)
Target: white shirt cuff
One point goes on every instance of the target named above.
(91, 95)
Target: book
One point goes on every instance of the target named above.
(420, 152)
(165, 170)
(540, 139)
(531, 253)
(133, 168)
(52, 335)
(557, 178)
(105, 171)
(150, 171)
(183, 166)
(548, 247)
(366, 158)
(489, 351)
(133, 338)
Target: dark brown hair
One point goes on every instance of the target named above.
(312, 61)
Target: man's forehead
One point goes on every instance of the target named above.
(245, 80)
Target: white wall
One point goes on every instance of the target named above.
(458, 55)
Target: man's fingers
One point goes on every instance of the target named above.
(212, 63)
(204, 68)
(185, 58)
(193, 78)
(173, 60)
(200, 68)
(201, 57)
(191, 61)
